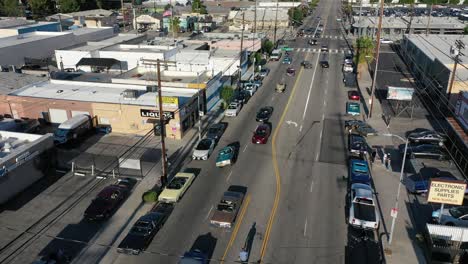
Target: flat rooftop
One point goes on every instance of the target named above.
(136, 48)
(142, 74)
(10, 81)
(97, 45)
(419, 22)
(14, 22)
(28, 37)
(11, 142)
(98, 92)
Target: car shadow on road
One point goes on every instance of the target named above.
(205, 243)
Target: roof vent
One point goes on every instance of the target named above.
(59, 91)
(130, 94)
(7, 147)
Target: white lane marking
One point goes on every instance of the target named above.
(305, 227)
(273, 98)
(245, 147)
(209, 212)
(317, 156)
(324, 103)
(311, 186)
(323, 117)
(310, 88)
(229, 176)
(300, 128)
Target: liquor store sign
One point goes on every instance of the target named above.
(155, 114)
(447, 192)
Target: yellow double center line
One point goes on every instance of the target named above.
(276, 168)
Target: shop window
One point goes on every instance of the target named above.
(104, 121)
(185, 124)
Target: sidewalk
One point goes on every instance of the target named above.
(404, 248)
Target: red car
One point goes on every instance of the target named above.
(353, 95)
(261, 134)
(291, 72)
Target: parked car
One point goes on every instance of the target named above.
(226, 156)
(359, 172)
(194, 256)
(290, 71)
(227, 209)
(306, 64)
(353, 109)
(424, 150)
(203, 149)
(287, 60)
(142, 233)
(455, 216)
(348, 59)
(215, 131)
(357, 144)
(386, 41)
(354, 95)
(261, 134)
(108, 200)
(233, 109)
(264, 72)
(363, 212)
(349, 80)
(72, 129)
(251, 88)
(348, 67)
(360, 127)
(176, 187)
(427, 137)
(264, 114)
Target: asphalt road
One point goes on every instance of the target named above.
(309, 223)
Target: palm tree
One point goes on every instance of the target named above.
(174, 24)
(365, 48)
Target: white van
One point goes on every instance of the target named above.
(72, 129)
(275, 55)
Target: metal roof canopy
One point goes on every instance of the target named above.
(99, 62)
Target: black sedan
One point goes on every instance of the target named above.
(142, 233)
(216, 131)
(424, 150)
(306, 64)
(427, 137)
(264, 114)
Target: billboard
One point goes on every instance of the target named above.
(461, 109)
(446, 192)
(400, 93)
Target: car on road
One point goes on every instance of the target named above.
(264, 114)
(108, 200)
(312, 42)
(280, 86)
(176, 187)
(264, 72)
(363, 212)
(324, 64)
(203, 149)
(357, 144)
(317, 35)
(324, 48)
(427, 137)
(215, 131)
(233, 109)
(226, 211)
(424, 150)
(261, 134)
(287, 60)
(359, 172)
(306, 64)
(349, 80)
(226, 156)
(142, 233)
(386, 41)
(354, 95)
(455, 216)
(348, 67)
(194, 256)
(290, 71)
(338, 19)
(353, 109)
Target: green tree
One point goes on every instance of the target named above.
(348, 10)
(365, 48)
(68, 6)
(198, 7)
(465, 30)
(10, 8)
(167, 7)
(454, 2)
(267, 46)
(42, 8)
(227, 93)
(174, 23)
(296, 15)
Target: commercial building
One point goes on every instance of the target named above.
(395, 27)
(24, 159)
(266, 18)
(152, 21)
(95, 18)
(18, 26)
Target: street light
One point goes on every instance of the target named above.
(399, 183)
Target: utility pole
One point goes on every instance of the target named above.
(199, 108)
(455, 51)
(429, 20)
(241, 50)
(408, 29)
(276, 24)
(172, 22)
(163, 127)
(359, 21)
(123, 14)
(253, 39)
(377, 54)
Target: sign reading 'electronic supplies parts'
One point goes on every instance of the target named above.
(447, 192)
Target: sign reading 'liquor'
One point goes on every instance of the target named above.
(155, 114)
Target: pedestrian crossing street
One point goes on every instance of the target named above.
(331, 51)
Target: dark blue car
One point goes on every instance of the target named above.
(195, 256)
(359, 172)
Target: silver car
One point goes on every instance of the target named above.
(233, 109)
(363, 212)
(203, 149)
(455, 216)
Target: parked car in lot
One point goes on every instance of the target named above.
(359, 172)
(363, 212)
(264, 114)
(142, 233)
(215, 131)
(226, 156)
(261, 134)
(291, 71)
(424, 150)
(419, 182)
(264, 72)
(455, 216)
(427, 137)
(108, 200)
(306, 64)
(176, 187)
(287, 60)
(203, 149)
(354, 95)
(226, 211)
(357, 144)
(233, 109)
